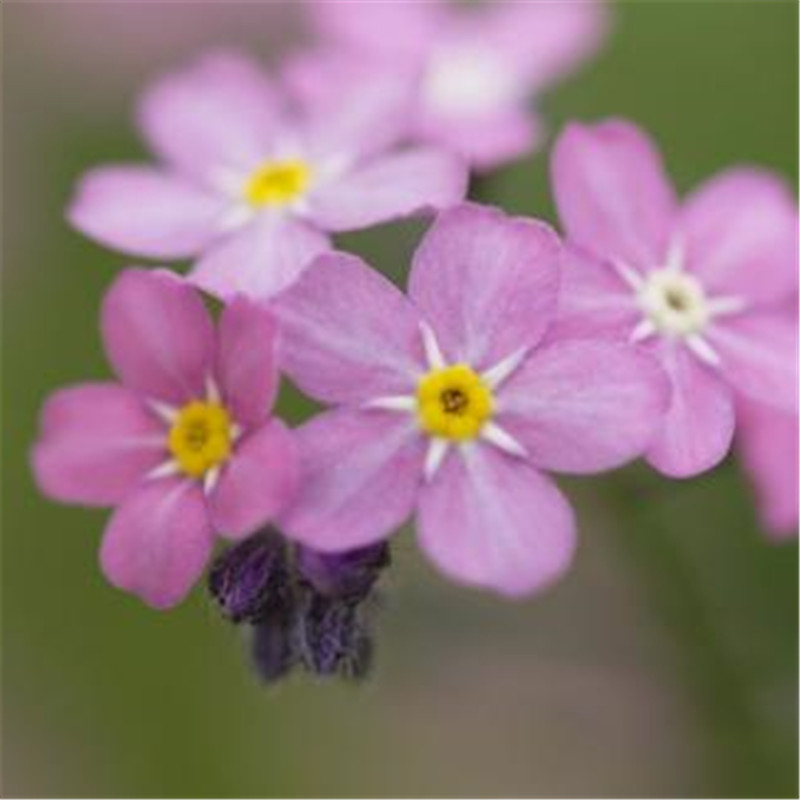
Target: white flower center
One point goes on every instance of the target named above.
(674, 302)
(469, 79)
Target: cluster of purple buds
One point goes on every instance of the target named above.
(306, 609)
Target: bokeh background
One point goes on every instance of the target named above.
(664, 665)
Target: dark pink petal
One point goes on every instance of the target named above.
(145, 212)
(96, 442)
(758, 356)
(246, 361)
(613, 196)
(486, 283)
(740, 232)
(260, 260)
(359, 477)
(221, 111)
(767, 441)
(258, 483)
(158, 335)
(158, 541)
(584, 406)
(593, 301)
(698, 426)
(486, 141)
(390, 187)
(348, 334)
(492, 521)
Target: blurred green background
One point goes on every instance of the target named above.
(664, 665)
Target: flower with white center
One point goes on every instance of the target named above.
(184, 446)
(249, 187)
(450, 403)
(700, 286)
(476, 68)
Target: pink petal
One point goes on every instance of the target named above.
(260, 260)
(594, 302)
(584, 406)
(158, 335)
(359, 477)
(486, 141)
(348, 334)
(613, 196)
(219, 112)
(486, 283)
(96, 442)
(699, 424)
(145, 212)
(544, 40)
(491, 521)
(259, 481)
(758, 356)
(390, 187)
(246, 361)
(740, 231)
(158, 541)
(767, 441)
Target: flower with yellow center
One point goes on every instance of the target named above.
(278, 183)
(200, 438)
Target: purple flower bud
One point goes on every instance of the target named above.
(274, 644)
(251, 578)
(350, 575)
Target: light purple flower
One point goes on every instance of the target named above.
(699, 285)
(449, 403)
(476, 68)
(183, 446)
(249, 188)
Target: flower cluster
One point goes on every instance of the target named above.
(648, 329)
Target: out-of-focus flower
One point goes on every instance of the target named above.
(767, 440)
(698, 285)
(183, 446)
(476, 68)
(251, 188)
(448, 403)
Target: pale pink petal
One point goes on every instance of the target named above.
(698, 426)
(258, 483)
(758, 356)
(492, 521)
(96, 442)
(584, 406)
(359, 477)
(740, 232)
(767, 441)
(365, 24)
(614, 198)
(246, 361)
(260, 260)
(594, 302)
(145, 212)
(486, 141)
(487, 283)
(219, 112)
(158, 335)
(349, 335)
(158, 541)
(390, 187)
(544, 40)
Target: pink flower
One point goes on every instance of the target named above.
(449, 403)
(183, 446)
(698, 285)
(251, 189)
(767, 443)
(476, 68)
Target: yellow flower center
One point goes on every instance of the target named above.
(453, 403)
(200, 437)
(277, 183)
